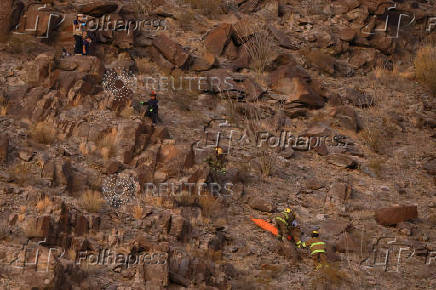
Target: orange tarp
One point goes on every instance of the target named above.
(268, 227)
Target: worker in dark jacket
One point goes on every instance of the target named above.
(152, 107)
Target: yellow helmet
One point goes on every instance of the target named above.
(287, 210)
(315, 232)
(219, 150)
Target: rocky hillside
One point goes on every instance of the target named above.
(327, 107)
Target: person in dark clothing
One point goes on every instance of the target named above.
(152, 108)
(78, 30)
(86, 45)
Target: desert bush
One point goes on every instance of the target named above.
(145, 7)
(91, 201)
(106, 145)
(209, 205)
(257, 42)
(44, 133)
(425, 65)
(44, 204)
(4, 230)
(376, 164)
(266, 163)
(138, 212)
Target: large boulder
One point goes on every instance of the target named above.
(4, 147)
(393, 215)
(261, 204)
(5, 18)
(430, 167)
(288, 78)
(217, 39)
(348, 118)
(172, 51)
(98, 8)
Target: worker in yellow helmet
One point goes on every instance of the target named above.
(287, 225)
(317, 250)
(218, 163)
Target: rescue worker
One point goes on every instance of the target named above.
(78, 32)
(287, 225)
(218, 162)
(152, 107)
(317, 250)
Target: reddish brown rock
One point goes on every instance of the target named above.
(4, 147)
(393, 215)
(98, 8)
(218, 38)
(171, 50)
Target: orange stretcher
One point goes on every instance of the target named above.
(268, 227)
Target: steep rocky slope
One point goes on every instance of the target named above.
(84, 176)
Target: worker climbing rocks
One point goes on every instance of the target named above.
(152, 107)
(218, 163)
(287, 225)
(317, 250)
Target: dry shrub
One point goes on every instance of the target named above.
(257, 42)
(376, 164)
(128, 110)
(31, 230)
(186, 199)
(91, 201)
(4, 230)
(44, 133)
(22, 172)
(209, 205)
(328, 276)
(145, 7)
(3, 106)
(266, 163)
(106, 145)
(138, 212)
(44, 205)
(373, 138)
(425, 65)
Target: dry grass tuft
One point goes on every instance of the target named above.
(138, 212)
(44, 205)
(425, 65)
(376, 164)
(91, 201)
(373, 138)
(209, 205)
(106, 145)
(266, 164)
(258, 43)
(44, 133)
